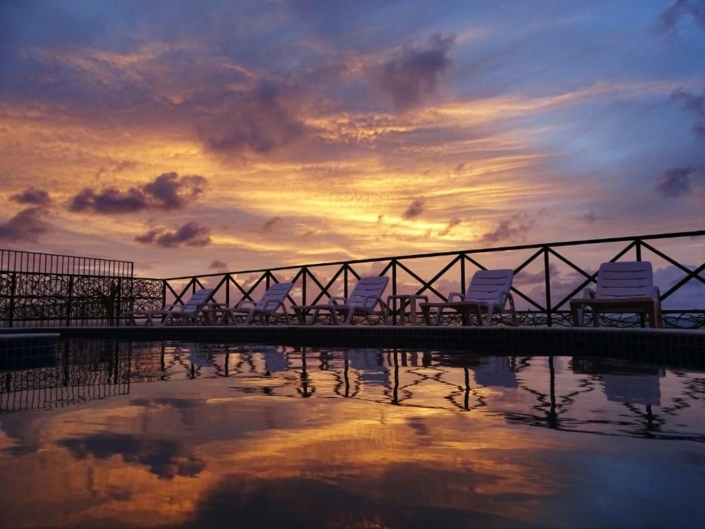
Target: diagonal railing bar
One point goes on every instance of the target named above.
(425, 285)
(681, 282)
(691, 273)
(237, 285)
(592, 278)
(528, 261)
(224, 280)
(428, 284)
(324, 290)
(523, 265)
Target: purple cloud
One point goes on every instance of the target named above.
(676, 182)
(681, 8)
(167, 192)
(414, 210)
(414, 74)
(515, 227)
(33, 196)
(452, 224)
(269, 225)
(218, 265)
(26, 226)
(190, 234)
(258, 121)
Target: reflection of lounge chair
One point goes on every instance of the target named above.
(489, 292)
(363, 301)
(188, 311)
(267, 307)
(495, 371)
(626, 287)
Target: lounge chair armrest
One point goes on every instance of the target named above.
(241, 304)
(168, 308)
(334, 299)
(453, 295)
(656, 293)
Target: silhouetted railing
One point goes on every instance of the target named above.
(547, 276)
(46, 263)
(38, 289)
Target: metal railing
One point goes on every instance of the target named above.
(46, 263)
(546, 277)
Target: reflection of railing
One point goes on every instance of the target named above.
(81, 371)
(545, 277)
(522, 390)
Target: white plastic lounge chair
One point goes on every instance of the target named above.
(489, 292)
(624, 287)
(272, 300)
(189, 311)
(363, 301)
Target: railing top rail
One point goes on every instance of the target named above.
(675, 235)
(40, 262)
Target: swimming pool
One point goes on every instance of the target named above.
(176, 434)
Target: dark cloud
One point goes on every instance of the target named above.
(218, 265)
(693, 103)
(26, 226)
(683, 8)
(190, 234)
(414, 210)
(676, 182)
(164, 458)
(269, 225)
(33, 196)
(515, 227)
(590, 217)
(167, 192)
(256, 121)
(452, 224)
(412, 76)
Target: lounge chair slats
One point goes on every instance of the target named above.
(622, 287)
(489, 292)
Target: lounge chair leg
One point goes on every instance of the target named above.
(490, 312)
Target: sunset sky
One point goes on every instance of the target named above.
(194, 137)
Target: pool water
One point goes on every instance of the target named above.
(117, 434)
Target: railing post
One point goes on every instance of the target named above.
(303, 286)
(462, 273)
(69, 302)
(547, 279)
(394, 291)
(117, 305)
(13, 289)
(638, 249)
(164, 293)
(345, 281)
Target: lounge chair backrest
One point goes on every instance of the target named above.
(198, 299)
(366, 290)
(491, 286)
(275, 294)
(625, 279)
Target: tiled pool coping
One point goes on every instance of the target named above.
(670, 346)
